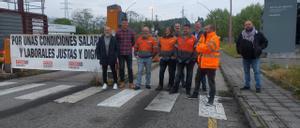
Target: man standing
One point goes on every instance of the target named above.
(177, 33)
(185, 59)
(198, 33)
(208, 61)
(145, 48)
(126, 38)
(107, 52)
(250, 45)
(167, 54)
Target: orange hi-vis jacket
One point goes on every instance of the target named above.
(208, 50)
(167, 46)
(145, 48)
(186, 48)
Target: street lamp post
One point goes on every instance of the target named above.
(210, 11)
(230, 23)
(128, 9)
(130, 6)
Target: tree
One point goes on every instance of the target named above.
(253, 12)
(86, 23)
(62, 21)
(219, 18)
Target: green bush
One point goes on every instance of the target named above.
(230, 49)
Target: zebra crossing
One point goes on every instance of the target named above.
(45, 92)
(2, 84)
(119, 99)
(162, 102)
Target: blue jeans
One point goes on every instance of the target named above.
(255, 64)
(144, 62)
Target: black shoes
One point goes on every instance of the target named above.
(137, 88)
(148, 86)
(194, 96)
(159, 88)
(258, 90)
(172, 91)
(245, 88)
(204, 89)
(210, 103)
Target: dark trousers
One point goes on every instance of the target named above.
(113, 70)
(211, 74)
(128, 60)
(171, 64)
(183, 80)
(199, 80)
(189, 75)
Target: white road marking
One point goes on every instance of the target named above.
(119, 99)
(6, 83)
(19, 88)
(45, 92)
(217, 111)
(163, 102)
(78, 96)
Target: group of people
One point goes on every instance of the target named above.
(179, 50)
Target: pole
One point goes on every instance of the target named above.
(210, 11)
(21, 6)
(230, 23)
(152, 13)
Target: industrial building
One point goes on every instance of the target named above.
(20, 17)
(281, 25)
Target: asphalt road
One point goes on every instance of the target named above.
(86, 114)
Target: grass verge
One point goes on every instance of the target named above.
(288, 78)
(230, 49)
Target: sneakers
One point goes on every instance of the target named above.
(115, 86)
(245, 88)
(104, 86)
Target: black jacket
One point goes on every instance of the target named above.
(250, 50)
(199, 35)
(113, 52)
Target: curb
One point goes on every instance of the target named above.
(255, 121)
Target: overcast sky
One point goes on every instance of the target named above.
(165, 9)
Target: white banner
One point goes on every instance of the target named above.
(54, 52)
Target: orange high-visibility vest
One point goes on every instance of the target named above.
(167, 46)
(145, 47)
(186, 48)
(186, 44)
(208, 50)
